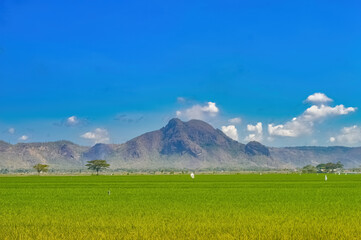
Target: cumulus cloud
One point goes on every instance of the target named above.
(199, 112)
(236, 120)
(319, 112)
(255, 128)
(211, 108)
(23, 138)
(230, 131)
(256, 132)
(293, 128)
(304, 123)
(348, 135)
(99, 135)
(71, 121)
(11, 130)
(318, 98)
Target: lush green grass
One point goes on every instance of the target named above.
(270, 206)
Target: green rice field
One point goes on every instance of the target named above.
(240, 206)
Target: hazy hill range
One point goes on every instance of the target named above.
(60, 155)
(192, 145)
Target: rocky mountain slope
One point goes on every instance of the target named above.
(192, 145)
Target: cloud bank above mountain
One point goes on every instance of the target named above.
(304, 124)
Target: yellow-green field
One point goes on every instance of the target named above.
(268, 206)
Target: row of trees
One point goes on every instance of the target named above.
(98, 165)
(323, 168)
(95, 165)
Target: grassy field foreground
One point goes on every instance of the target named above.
(268, 206)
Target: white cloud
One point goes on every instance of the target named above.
(199, 112)
(348, 136)
(230, 131)
(257, 132)
(236, 120)
(211, 108)
(318, 98)
(318, 112)
(304, 124)
(23, 138)
(281, 130)
(11, 130)
(73, 120)
(255, 128)
(293, 128)
(99, 135)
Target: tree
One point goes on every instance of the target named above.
(329, 167)
(339, 165)
(309, 169)
(41, 168)
(97, 165)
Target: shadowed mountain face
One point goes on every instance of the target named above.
(255, 148)
(193, 145)
(193, 138)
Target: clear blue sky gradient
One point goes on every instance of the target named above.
(95, 59)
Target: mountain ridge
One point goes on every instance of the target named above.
(193, 145)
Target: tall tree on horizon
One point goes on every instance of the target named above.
(41, 168)
(97, 165)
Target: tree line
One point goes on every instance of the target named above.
(323, 168)
(99, 165)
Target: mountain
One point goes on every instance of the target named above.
(192, 145)
(61, 155)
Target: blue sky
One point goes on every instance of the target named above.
(96, 71)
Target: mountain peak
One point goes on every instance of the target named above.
(192, 137)
(173, 123)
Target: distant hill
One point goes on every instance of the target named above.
(61, 155)
(193, 145)
(301, 156)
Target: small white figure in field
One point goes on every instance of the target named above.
(192, 175)
(325, 177)
(109, 192)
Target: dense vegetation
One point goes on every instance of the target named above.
(277, 206)
(323, 168)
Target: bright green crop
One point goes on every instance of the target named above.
(268, 206)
